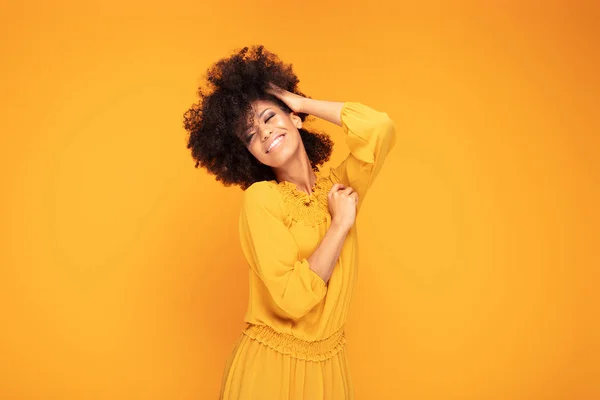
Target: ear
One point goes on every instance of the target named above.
(296, 120)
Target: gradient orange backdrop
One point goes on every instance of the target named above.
(121, 275)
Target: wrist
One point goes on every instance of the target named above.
(301, 105)
(340, 226)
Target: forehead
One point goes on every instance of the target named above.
(259, 105)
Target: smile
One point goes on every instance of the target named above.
(275, 143)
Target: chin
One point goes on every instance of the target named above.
(279, 162)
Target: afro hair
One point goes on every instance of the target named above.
(215, 122)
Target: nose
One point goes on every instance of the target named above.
(266, 132)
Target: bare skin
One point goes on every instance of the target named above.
(275, 141)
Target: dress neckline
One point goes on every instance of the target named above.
(291, 188)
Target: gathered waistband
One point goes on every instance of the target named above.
(285, 343)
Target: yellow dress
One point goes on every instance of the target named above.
(293, 346)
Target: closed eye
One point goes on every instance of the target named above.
(251, 135)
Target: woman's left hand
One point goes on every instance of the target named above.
(292, 100)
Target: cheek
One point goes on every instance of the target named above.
(294, 138)
(256, 150)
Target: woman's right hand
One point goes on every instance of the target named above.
(343, 201)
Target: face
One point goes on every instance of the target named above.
(273, 137)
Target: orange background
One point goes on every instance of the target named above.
(121, 273)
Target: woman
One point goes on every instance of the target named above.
(296, 224)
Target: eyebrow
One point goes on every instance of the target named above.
(263, 111)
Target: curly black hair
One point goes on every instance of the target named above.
(215, 122)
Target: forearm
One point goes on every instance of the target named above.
(324, 258)
(327, 110)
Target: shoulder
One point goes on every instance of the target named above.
(261, 196)
(262, 190)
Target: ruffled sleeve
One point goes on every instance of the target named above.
(273, 254)
(370, 136)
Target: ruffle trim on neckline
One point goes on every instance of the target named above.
(311, 209)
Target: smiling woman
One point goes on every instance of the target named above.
(296, 224)
(227, 112)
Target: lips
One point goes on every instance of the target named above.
(275, 141)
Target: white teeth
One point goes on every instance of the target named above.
(277, 140)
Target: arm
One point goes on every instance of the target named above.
(327, 110)
(370, 136)
(295, 284)
(323, 259)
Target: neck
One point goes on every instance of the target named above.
(299, 172)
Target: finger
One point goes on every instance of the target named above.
(348, 191)
(336, 187)
(272, 88)
(354, 195)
